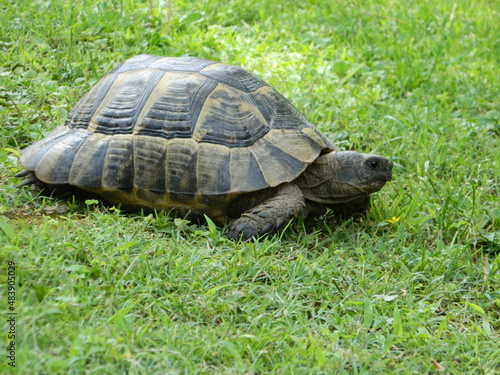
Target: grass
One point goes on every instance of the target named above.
(412, 288)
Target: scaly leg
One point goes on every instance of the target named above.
(271, 215)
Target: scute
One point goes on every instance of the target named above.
(119, 163)
(82, 113)
(88, 165)
(149, 164)
(281, 113)
(120, 109)
(166, 130)
(230, 118)
(246, 174)
(277, 166)
(233, 76)
(184, 63)
(173, 107)
(52, 162)
(213, 174)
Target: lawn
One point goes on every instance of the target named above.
(412, 287)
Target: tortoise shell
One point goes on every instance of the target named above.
(164, 131)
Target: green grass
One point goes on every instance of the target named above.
(412, 288)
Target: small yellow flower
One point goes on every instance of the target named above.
(393, 220)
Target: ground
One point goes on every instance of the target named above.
(413, 287)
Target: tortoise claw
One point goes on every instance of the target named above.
(30, 178)
(244, 228)
(22, 174)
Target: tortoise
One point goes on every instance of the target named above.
(200, 137)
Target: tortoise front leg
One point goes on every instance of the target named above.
(270, 215)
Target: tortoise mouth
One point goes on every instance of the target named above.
(381, 180)
(366, 189)
(378, 184)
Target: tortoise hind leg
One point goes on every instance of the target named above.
(270, 215)
(29, 179)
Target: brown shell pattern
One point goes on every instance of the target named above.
(177, 126)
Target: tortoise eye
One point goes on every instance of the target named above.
(373, 164)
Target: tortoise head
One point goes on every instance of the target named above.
(344, 176)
